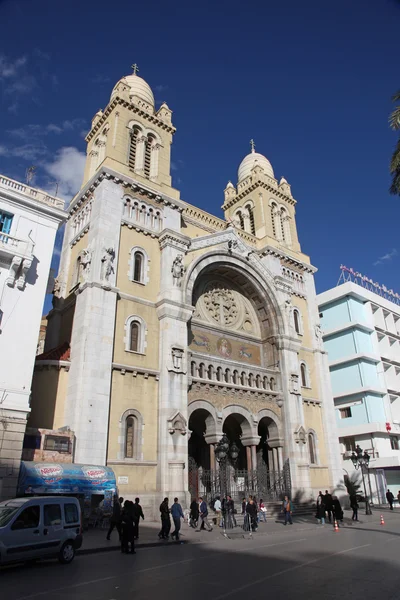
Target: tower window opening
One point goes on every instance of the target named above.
(132, 147)
(147, 156)
(250, 210)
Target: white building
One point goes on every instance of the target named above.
(29, 219)
(361, 332)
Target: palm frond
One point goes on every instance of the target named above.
(396, 96)
(394, 118)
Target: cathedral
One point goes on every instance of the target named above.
(173, 329)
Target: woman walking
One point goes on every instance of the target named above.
(251, 512)
(128, 528)
(320, 514)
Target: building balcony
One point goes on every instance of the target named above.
(18, 254)
(366, 356)
(30, 192)
(364, 326)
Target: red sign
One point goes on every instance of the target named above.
(388, 427)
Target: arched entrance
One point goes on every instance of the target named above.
(234, 363)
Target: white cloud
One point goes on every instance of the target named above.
(10, 69)
(67, 170)
(28, 131)
(160, 88)
(100, 79)
(26, 151)
(386, 257)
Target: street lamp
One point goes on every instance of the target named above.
(223, 452)
(361, 460)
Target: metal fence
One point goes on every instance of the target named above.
(262, 483)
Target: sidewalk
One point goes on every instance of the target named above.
(95, 540)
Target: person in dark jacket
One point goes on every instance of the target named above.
(194, 514)
(128, 528)
(251, 512)
(230, 511)
(115, 520)
(244, 502)
(354, 506)
(337, 509)
(390, 499)
(204, 515)
(138, 512)
(287, 509)
(328, 505)
(320, 514)
(165, 520)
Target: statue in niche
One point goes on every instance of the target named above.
(107, 263)
(177, 359)
(318, 333)
(178, 269)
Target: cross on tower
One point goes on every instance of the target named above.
(135, 68)
(253, 146)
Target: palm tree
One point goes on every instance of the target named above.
(394, 121)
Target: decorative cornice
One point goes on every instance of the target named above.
(252, 187)
(301, 266)
(169, 237)
(139, 228)
(133, 108)
(132, 298)
(80, 235)
(136, 370)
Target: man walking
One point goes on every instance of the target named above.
(138, 512)
(115, 520)
(287, 510)
(218, 509)
(165, 520)
(177, 515)
(230, 509)
(204, 515)
(354, 506)
(390, 499)
(328, 505)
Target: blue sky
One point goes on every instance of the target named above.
(311, 82)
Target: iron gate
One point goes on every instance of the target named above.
(262, 483)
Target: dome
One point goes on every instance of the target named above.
(252, 159)
(138, 87)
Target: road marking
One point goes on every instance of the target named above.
(68, 587)
(305, 564)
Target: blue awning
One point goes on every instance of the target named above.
(64, 478)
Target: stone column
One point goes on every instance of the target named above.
(254, 457)
(212, 457)
(248, 457)
(280, 458)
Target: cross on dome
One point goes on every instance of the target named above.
(135, 68)
(252, 145)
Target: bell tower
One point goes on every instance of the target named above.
(131, 137)
(259, 204)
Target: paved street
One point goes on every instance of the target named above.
(300, 561)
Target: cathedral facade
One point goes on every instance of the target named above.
(171, 326)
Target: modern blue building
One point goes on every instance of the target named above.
(361, 332)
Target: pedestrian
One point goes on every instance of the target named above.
(328, 505)
(177, 515)
(398, 497)
(224, 512)
(138, 512)
(287, 509)
(244, 506)
(337, 509)
(320, 514)
(262, 511)
(218, 509)
(354, 506)
(204, 515)
(128, 528)
(230, 511)
(390, 499)
(194, 514)
(251, 511)
(165, 520)
(115, 520)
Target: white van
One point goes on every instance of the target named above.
(41, 527)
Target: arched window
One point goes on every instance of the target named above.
(311, 449)
(138, 260)
(78, 271)
(130, 426)
(210, 372)
(219, 374)
(258, 381)
(296, 319)
(202, 370)
(303, 375)
(265, 383)
(147, 155)
(272, 384)
(235, 377)
(239, 215)
(193, 369)
(276, 221)
(285, 226)
(134, 134)
(243, 378)
(250, 210)
(134, 336)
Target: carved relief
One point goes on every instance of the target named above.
(15, 264)
(178, 270)
(177, 424)
(300, 435)
(107, 263)
(220, 303)
(221, 397)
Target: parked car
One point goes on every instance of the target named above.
(40, 527)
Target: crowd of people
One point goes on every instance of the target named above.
(328, 506)
(125, 518)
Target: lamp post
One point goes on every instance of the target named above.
(360, 460)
